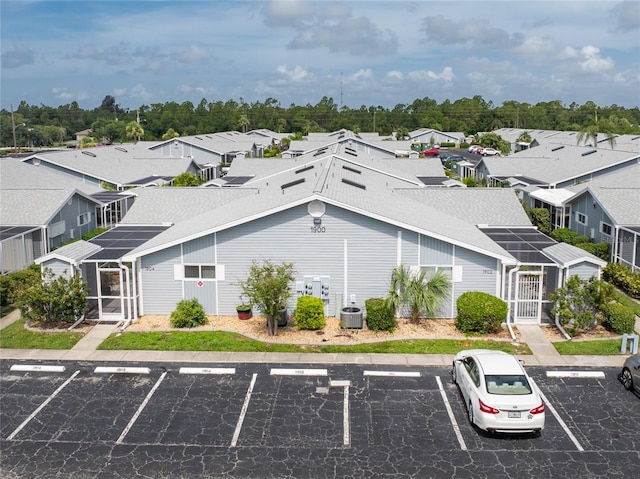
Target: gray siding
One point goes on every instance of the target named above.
(69, 214)
(595, 215)
(160, 291)
(58, 267)
(584, 270)
(434, 252)
(479, 273)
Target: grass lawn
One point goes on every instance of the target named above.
(15, 336)
(601, 347)
(225, 341)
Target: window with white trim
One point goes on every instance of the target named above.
(581, 218)
(84, 218)
(199, 271)
(605, 228)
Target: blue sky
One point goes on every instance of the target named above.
(357, 52)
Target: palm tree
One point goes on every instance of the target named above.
(589, 133)
(422, 295)
(134, 130)
(243, 122)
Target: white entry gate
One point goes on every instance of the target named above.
(528, 298)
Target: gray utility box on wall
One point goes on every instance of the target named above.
(317, 286)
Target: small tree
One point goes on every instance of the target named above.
(187, 179)
(423, 296)
(267, 287)
(54, 299)
(579, 303)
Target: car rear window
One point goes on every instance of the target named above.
(507, 385)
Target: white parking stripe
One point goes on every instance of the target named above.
(140, 409)
(207, 370)
(396, 374)
(452, 418)
(575, 374)
(42, 406)
(299, 372)
(243, 412)
(346, 425)
(121, 370)
(548, 405)
(37, 368)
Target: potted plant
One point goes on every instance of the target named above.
(244, 310)
(267, 287)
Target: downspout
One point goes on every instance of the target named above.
(128, 276)
(509, 305)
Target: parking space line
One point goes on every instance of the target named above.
(346, 434)
(37, 368)
(452, 418)
(548, 405)
(575, 374)
(243, 412)
(42, 406)
(207, 370)
(140, 409)
(396, 374)
(298, 372)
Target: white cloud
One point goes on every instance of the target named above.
(65, 95)
(445, 76)
(395, 75)
(297, 75)
(193, 54)
(593, 61)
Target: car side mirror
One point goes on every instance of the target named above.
(521, 361)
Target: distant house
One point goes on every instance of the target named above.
(82, 134)
(344, 220)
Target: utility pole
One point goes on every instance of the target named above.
(13, 127)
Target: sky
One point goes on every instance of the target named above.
(372, 53)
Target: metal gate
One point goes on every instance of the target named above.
(528, 297)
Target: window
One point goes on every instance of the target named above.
(199, 272)
(605, 229)
(84, 218)
(581, 218)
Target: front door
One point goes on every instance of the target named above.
(528, 297)
(110, 297)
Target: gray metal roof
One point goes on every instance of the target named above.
(34, 207)
(72, 253)
(367, 192)
(566, 255)
(115, 164)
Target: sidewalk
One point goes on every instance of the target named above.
(544, 354)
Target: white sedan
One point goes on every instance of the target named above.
(497, 391)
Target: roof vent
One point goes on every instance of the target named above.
(354, 183)
(588, 152)
(306, 168)
(292, 183)
(557, 148)
(348, 168)
(89, 153)
(119, 148)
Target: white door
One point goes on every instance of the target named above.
(528, 297)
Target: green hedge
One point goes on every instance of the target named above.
(310, 313)
(621, 276)
(480, 313)
(380, 317)
(619, 319)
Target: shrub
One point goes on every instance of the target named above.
(54, 299)
(447, 144)
(310, 313)
(12, 284)
(564, 235)
(619, 318)
(480, 312)
(601, 250)
(188, 314)
(541, 218)
(579, 303)
(380, 316)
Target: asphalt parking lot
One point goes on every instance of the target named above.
(297, 421)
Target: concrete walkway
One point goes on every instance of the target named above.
(544, 354)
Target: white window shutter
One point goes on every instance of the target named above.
(457, 274)
(220, 272)
(178, 272)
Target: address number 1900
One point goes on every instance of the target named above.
(318, 229)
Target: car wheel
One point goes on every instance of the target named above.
(454, 375)
(627, 380)
(470, 414)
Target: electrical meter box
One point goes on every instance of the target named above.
(317, 286)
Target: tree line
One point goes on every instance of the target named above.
(35, 126)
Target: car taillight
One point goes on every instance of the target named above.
(487, 409)
(538, 410)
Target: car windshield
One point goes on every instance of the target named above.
(507, 385)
